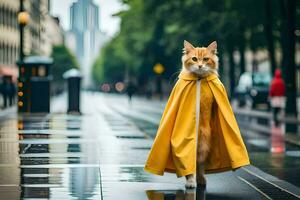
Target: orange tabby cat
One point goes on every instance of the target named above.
(202, 62)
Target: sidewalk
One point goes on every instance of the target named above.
(8, 111)
(101, 155)
(292, 138)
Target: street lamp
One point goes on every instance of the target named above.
(23, 20)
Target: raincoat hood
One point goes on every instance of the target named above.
(174, 147)
(277, 73)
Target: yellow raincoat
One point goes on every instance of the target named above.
(174, 148)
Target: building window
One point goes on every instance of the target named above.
(1, 53)
(4, 54)
(9, 55)
(15, 54)
(5, 17)
(16, 20)
(9, 18)
(7, 50)
(1, 15)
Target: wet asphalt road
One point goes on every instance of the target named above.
(100, 155)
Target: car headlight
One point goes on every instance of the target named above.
(253, 92)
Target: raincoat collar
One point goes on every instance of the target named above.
(191, 77)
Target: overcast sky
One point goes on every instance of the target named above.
(108, 24)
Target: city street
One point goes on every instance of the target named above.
(101, 154)
(84, 84)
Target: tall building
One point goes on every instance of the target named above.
(85, 32)
(36, 34)
(54, 31)
(9, 37)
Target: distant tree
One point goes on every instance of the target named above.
(109, 65)
(63, 61)
(153, 31)
(97, 70)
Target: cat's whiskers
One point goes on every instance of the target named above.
(205, 70)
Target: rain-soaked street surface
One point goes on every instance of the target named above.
(101, 154)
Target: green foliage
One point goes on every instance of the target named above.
(63, 61)
(97, 70)
(153, 31)
(109, 67)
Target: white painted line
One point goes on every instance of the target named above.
(251, 185)
(252, 173)
(9, 185)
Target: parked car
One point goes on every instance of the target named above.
(253, 89)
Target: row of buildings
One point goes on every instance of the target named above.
(42, 32)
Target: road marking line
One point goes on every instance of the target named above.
(121, 115)
(251, 185)
(101, 181)
(252, 173)
(9, 185)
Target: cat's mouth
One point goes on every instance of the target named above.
(201, 70)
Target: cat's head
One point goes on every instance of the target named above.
(202, 61)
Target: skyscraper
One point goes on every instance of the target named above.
(85, 32)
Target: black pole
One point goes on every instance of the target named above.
(242, 46)
(231, 72)
(288, 36)
(21, 86)
(269, 34)
(159, 86)
(21, 33)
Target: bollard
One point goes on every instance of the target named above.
(73, 78)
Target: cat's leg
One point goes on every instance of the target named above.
(190, 181)
(189, 195)
(201, 181)
(202, 153)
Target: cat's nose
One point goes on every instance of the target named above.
(200, 66)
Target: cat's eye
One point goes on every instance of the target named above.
(205, 59)
(194, 59)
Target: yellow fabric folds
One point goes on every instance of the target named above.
(174, 148)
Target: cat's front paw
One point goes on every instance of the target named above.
(190, 181)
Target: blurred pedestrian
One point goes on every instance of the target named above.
(11, 93)
(277, 95)
(130, 90)
(5, 89)
(8, 91)
(149, 90)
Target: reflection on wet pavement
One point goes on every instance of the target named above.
(196, 194)
(277, 139)
(101, 155)
(271, 153)
(47, 156)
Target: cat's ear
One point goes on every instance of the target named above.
(213, 47)
(187, 47)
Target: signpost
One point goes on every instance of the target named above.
(159, 69)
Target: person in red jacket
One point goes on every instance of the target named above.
(277, 95)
